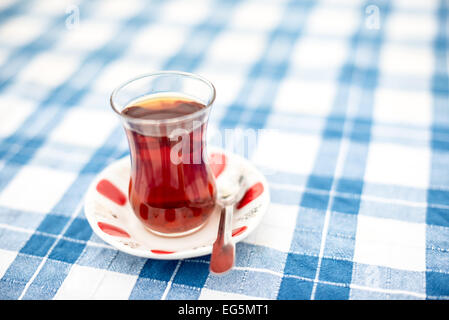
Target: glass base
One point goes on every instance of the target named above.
(175, 235)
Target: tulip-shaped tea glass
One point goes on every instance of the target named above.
(171, 189)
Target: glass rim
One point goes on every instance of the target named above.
(161, 73)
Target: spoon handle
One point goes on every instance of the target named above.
(223, 250)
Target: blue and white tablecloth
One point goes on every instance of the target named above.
(354, 100)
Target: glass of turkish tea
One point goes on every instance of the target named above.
(171, 189)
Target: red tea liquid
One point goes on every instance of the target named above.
(169, 197)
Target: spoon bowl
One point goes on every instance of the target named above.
(223, 250)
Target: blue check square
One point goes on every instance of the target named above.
(38, 245)
(301, 265)
(319, 182)
(53, 224)
(315, 201)
(326, 291)
(67, 251)
(339, 271)
(350, 186)
(346, 205)
(295, 289)
(192, 274)
(79, 229)
(437, 284)
(161, 270)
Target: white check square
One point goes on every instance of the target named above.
(346, 3)
(286, 152)
(390, 243)
(404, 107)
(406, 61)
(332, 21)
(91, 283)
(116, 9)
(115, 286)
(49, 69)
(85, 127)
(52, 7)
(393, 164)
(158, 41)
(234, 47)
(118, 72)
(305, 97)
(21, 30)
(229, 84)
(17, 110)
(87, 36)
(422, 6)
(406, 26)
(312, 53)
(256, 15)
(36, 189)
(182, 12)
(208, 294)
(276, 229)
(80, 283)
(6, 258)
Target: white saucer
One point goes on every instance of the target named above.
(116, 223)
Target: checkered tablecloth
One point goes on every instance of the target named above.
(354, 93)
